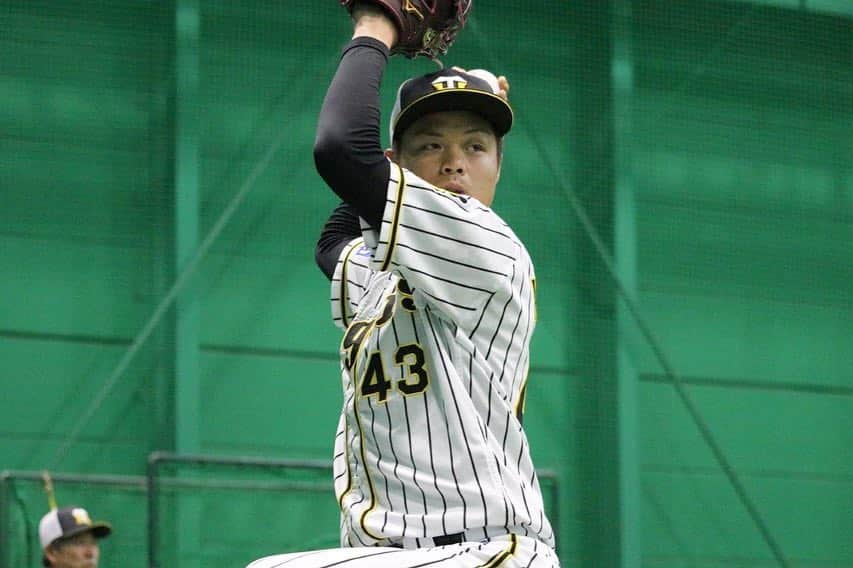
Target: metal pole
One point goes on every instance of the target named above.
(241, 460)
(151, 484)
(625, 257)
(5, 561)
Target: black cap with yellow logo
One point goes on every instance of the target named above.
(448, 90)
(66, 522)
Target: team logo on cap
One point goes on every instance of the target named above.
(452, 82)
(81, 517)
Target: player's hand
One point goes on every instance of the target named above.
(421, 27)
(503, 88)
(501, 81)
(371, 21)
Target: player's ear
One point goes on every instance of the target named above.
(51, 554)
(389, 153)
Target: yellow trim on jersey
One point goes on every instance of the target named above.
(446, 192)
(354, 244)
(366, 475)
(503, 556)
(519, 405)
(355, 378)
(533, 299)
(395, 220)
(346, 462)
(522, 396)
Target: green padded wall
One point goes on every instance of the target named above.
(708, 141)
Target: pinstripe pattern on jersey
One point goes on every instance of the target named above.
(341, 453)
(509, 551)
(365, 420)
(437, 228)
(302, 559)
(446, 364)
(370, 487)
(447, 280)
(461, 242)
(378, 301)
(451, 262)
(496, 232)
(344, 269)
(345, 464)
(346, 286)
(455, 283)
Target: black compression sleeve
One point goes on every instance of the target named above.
(348, 151)
(340, 229)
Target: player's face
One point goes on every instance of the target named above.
(455, 150)
(78, 551)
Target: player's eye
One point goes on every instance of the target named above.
(477, 147)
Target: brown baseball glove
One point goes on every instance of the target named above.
(425, 27)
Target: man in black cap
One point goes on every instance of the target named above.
(69, 538)
(434, 294)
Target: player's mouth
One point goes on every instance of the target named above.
(455, 187)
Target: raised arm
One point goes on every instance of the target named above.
(347, 151)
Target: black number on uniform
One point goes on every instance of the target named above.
(412, 356)
(374, 381)
(355, 335)
(406, 299)
(388, 310)
(359, 330)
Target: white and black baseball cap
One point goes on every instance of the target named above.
(450, 89)
(67, 522)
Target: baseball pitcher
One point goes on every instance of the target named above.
(435, 298)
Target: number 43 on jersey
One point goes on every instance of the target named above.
(415, 379)
(406, 373)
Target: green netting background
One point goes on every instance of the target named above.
(703, 145)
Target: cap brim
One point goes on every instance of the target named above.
(491, 107)
(99, 530)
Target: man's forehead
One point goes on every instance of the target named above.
(81, 537)
(450, 121)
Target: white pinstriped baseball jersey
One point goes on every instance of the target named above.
(438, 311)
(508, 551)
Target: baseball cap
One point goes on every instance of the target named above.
(450, 89)
(67, 522)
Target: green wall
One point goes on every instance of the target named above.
(708, 142)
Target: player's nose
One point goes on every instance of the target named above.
(453, 162)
